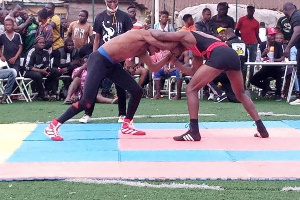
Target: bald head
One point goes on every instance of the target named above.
(288, 9)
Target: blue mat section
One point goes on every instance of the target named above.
(292, 123)
(173, 156)
(78, 132)
(76, 150)
(209, 155)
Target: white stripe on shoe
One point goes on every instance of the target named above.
(188, 137)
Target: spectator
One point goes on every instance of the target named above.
(205, 25)
(37, 65)
(260, 79)
(14, 14)
(132, 14)
(222, 19)
(54, 21)
(284, 26)
(293, 14)
(188, 23)
(248, 28)
(3, 14)
(29, 33)
(163, 23)
(75, 90)
(64, 27)
(80, 31)
(66, 59)
(10, 74)
(45, 30)
(137, 69)
(11, 45)
(262, 32)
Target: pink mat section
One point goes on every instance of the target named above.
(149, 170)
(214, 139)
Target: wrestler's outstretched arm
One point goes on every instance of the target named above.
(154, 67)
(185, 68)
(168, 36)
(159, 44)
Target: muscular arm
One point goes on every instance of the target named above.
(186, 69)
(295, 37)
(169, 36)
(161, 45)
(154, 67)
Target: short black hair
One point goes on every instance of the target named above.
(85, 12)
(131, 6)
(225, 4)
(43, 13)
(52, 4)
(69, 40)
(205, 9)
(9, 19)
(186, 17)
(164, 12)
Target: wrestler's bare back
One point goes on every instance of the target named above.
(130, 44)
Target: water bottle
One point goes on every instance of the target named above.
(258, 55)
(271, 54)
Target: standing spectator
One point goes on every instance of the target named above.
(109, 24)
(284, 26)
(11, 45)
(29, 32)
(14, 14)
(262, 32)
(10, 74)
(45, 29)
(54, 21)
(205, 25)
(248, 28)
(260, 79)
(37, 65)
(80, 31)
(222, 19)
(132, 14)
(163, 23)
(188, 23)
(3, 14)
(293, 14)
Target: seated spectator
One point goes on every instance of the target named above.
(137, 69)
(261, 78)
(37, 65)
(11, 46)
(165, 72)
(75, 91)
(45, 29)
(188, 23)
(80, 31)
(66, 59)
(10, 74)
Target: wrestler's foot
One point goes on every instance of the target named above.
(52, 131)
(262, 131)
(189, 136)
(128, 128)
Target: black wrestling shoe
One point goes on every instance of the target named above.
(188, 136)
(262, 131)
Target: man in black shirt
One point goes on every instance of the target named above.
(37, 65)
(260, 79)
(293, 14)
(205, 25)
(283, 24)
(222, 19)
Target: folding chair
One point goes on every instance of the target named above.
(2, 88)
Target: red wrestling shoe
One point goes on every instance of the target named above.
(52, 131)
(127, 128)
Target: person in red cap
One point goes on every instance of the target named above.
(248, 29)
(260, 79)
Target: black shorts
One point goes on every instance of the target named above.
(224, 58)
